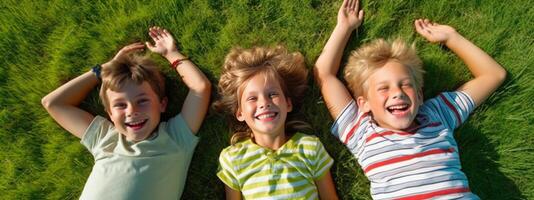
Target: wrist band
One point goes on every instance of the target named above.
(96, 70)
(177, 62)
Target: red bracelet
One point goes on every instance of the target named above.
(177, 62)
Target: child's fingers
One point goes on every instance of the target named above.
(419, 27)
(149, 45)
(426, 24)
(345, 4)
(135, 46)
(360, 15)
(164, 33)
(131, 47)
(153, 35)
(357, 6)
(351, 6)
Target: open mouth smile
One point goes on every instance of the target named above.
(399, 110)
(266, 116)
(136, 125)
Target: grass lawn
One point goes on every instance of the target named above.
(43, 44)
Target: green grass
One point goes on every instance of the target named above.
(46, 43)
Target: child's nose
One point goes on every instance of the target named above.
(264, 103)
(132, 111)
(397, 93)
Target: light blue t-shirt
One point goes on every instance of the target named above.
(155, 168)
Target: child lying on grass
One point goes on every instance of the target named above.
(136, 155)
(405, 147)
(269, 158)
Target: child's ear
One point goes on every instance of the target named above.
(363, 104)
(289, 105)
(239, 115)
(163, 104)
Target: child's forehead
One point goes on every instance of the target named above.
(261, 81)
(390, 71)
(130, 89)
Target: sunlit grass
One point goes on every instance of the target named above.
(46, 43)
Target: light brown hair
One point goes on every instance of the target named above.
(134, 68)
(374, 55)
(276, 64)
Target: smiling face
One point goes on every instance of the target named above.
(135, 110)
(263, 106)
(392, 97)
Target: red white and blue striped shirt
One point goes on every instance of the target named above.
(421, 163)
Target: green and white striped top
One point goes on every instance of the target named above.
(287, 173)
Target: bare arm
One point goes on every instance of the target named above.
(488, 74)
(325, 186)
(62, 103)
(335, 94)
(196, 103)
(232, 194)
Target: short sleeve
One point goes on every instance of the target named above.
(346, 125)
(181, 133)
(96, 131)
(322, 161)
(226, 172)
(451, 108)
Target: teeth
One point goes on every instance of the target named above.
(264, 116)
(135, 123)
(398, 107)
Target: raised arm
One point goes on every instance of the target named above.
(334, 92)
(488, 74)
(196, 103)
(62, 103)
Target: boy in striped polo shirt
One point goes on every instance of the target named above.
(405, 147)
(269, 158)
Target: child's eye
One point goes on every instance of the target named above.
(273, 94)
(382, 88)
(251, 98)
(119, 105)
(142, 101)
(407, 85)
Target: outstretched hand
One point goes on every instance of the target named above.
(434, 32)
(350, 15)
(127, 50)
(163, 41)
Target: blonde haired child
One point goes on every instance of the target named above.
(136, 155)
(268, 157)
(404, 145)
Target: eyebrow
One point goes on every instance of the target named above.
(121, 98)
(141, 94)
(385, 82)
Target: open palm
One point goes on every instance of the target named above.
(163, 41)
(433, 32)
(350, 14)
(122, 55)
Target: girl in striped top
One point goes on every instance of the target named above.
(269, 158)
(405, 147)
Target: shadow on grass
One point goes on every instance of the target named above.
(478, 156)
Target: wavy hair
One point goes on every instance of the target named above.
(276, 64)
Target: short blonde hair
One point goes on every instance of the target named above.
(364, 61)
(275, 63)
(134, 68)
